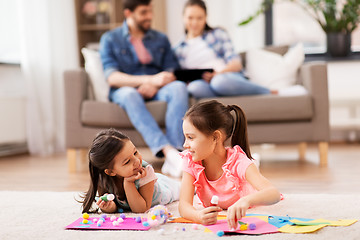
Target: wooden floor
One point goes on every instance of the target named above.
(279, 164)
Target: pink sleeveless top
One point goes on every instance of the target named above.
(232, 184)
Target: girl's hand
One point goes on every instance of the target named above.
(140, 174)
(108, 206)
(207, 76)
(236, 212)
(208, 216)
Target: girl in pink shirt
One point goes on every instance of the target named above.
(210, 168)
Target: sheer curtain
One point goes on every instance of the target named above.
(48, 47)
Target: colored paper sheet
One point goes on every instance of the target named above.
(309, 223)
(183, 220)
(279, 221)
(341, 222)
(128, 224)
(314, 225)
(300, 229)
(262, 227)
(338, 223)
(264, 218)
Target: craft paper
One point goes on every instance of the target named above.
(184, 220)
(262, 227)
(279, 221)
(341, 222)
(128, 224)
(220, 217)
(314, 225)
(300, 229)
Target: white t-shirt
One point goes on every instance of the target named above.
(150, 176)
(198, 54)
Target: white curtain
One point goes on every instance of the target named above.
(48, 47)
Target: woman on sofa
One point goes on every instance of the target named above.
(213, 50)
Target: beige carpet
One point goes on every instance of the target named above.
(43, 215)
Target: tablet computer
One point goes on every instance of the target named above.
(188, 75)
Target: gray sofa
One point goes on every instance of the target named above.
(271, 118)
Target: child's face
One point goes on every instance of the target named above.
(127, 162)
(200, 145)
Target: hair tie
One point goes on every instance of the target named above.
(230, 108)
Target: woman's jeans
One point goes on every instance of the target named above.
(225, 84)
(175, 95)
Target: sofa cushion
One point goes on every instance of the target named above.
(273, 70)
(94, 68)
(101, 114)
(272, 108)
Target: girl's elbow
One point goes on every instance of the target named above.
(181, 208)
(140, 210)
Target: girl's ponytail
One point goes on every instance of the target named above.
(91, 193)
(239, 134)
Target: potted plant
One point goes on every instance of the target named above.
(337, 18)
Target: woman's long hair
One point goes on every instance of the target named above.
(106, 145)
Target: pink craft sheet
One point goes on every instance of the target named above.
(262, 227)
(128, 224)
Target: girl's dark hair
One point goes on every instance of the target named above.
(106, 145)
(210, 116)
(201, 4)
(133, 4)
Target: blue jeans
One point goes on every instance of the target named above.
(175, 95)
(225, 84)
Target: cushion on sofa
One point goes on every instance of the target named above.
(272, 108)
(101, 114)
(273, 70)
(94, 68)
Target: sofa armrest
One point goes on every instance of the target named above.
(314, 79)
(75, 88)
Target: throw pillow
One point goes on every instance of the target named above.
(272, 70)
(94, 69)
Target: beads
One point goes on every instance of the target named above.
(252, 226)
(220, 233)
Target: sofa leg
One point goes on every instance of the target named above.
(323, 152)
(302, 150)
(71, 157)
(84, 155)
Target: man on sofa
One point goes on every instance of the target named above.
(138, 64)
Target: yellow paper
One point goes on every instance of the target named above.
(300, 229)
(264, 218)
(313, 228)
(310, 223)
(340, 222)
(207, 230)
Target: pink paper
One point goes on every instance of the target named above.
(128, 224)
(262, 227)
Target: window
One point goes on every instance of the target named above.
(9, 31)
(291, 24)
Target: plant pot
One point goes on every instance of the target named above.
(338, 44)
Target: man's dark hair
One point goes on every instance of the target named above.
(133, 4)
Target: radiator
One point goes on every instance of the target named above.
(12, 125)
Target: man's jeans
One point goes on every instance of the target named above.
(225, 84)
(176, 96)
